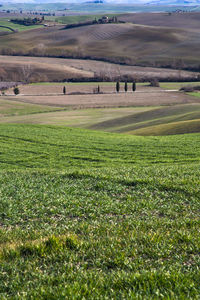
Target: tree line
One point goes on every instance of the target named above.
(125, 86)
(28, 21)
(97, 90)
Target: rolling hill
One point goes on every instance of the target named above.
(39, 69)
(129, 43)
(189, 20)
(176, 119)
(148, 111)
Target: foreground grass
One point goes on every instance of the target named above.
(97, 215)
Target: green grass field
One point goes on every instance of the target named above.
(156, 119)
(144, 120)
(177, 85)
(95, 215)
(11, 107)
(77, 19)
(195, 94)
(18, 27)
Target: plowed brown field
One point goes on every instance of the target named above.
(111, 100)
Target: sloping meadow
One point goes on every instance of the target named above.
(95, 215)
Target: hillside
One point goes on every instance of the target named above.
(38, 69)
(95, 215)
(148, 111)
(189, 20)
(129, 43)
(178, 119)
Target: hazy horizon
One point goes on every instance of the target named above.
(114, 2)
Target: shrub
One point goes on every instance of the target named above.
(190, 88)
(16, 91)
(154, 82)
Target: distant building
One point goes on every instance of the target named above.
(106, 19)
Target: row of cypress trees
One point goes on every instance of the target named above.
(16, 89)
(117, 87)
(125, 86)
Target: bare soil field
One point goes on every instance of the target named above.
(58, 88)
(28, 69)
(126, 43)
(23, 68)
(176, 20)
(75, 88)
(111, 100)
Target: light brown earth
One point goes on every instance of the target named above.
(177, 20)
(22, 68)
(37, 89)
(139, 98)
(76, 88)
(126, 43)
(28, 69)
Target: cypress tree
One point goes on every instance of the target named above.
(134, 87)
(125, 86)
(117, 87)
(64, 90)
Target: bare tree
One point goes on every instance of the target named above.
(27, 72)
